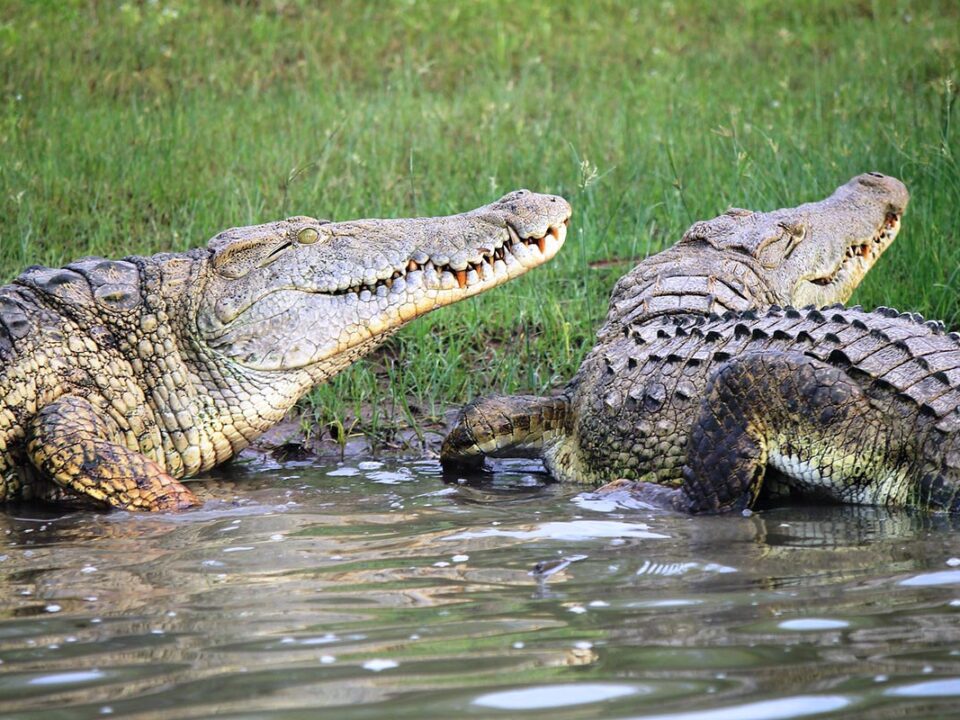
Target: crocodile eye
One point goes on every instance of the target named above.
(307, 236)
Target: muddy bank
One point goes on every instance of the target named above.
(299, 438)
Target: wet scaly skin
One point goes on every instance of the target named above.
(665, 398)
(834, 404)
(118, 378)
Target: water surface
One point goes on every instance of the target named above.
(372, 589)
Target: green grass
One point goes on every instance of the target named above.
(139, 127)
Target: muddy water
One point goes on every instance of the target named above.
(369, 590)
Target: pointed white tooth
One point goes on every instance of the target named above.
(549, 246)
(448, 281)
(514, 238)
(431, 275)
(518, 251)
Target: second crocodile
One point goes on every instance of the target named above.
(834, 404)
(629, 410)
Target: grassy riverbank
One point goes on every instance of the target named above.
(144, 126)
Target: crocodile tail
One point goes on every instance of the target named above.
(505, 426)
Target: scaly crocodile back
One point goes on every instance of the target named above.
(637, 396)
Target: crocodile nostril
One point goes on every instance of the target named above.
(875, 174)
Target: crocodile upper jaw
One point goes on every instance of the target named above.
(287, 307)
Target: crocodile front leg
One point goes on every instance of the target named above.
(810, 421)
(71, 443)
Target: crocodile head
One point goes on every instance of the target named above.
(306, 294)
(816, 253)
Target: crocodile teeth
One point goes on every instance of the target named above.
(513, 248)
(514, 238)
(448, 281)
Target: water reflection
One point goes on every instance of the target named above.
(377, 590)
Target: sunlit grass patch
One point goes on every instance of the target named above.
(135, 127)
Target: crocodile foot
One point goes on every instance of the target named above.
(637, 493)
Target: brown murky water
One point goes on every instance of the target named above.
(371, 590)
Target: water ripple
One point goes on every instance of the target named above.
(372, 590)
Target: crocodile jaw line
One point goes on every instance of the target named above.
(529, 251)
(857, 260)
(427, 287)
(367, 314)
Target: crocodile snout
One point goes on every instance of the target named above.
(884, 187)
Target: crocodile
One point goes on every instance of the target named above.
(627, 413)
(833, 404)
(120, 378)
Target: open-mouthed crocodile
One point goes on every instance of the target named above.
(118, 377)
(628, 411)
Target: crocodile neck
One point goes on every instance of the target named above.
(681, 280)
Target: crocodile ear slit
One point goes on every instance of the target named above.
(240, 257)
(795, 239)
(274, 254)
